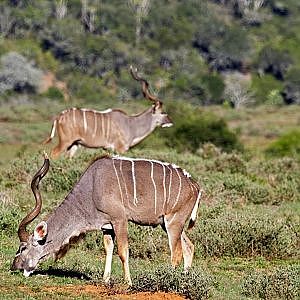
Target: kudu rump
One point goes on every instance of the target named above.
(111, 192)
(112, 129)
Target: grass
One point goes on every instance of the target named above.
(258, 127)
(247, 233)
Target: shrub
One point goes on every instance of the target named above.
(274, 61)
(291, 92)
(281, 283)
(246, 233)
(286, 145)
(197, 284)
(267, 89)
(18, 74)
(192, 128)
(54, 93)
(226, 162)
(230, 51)
(9, 220)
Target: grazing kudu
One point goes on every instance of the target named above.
(110, 129)
(111, 192)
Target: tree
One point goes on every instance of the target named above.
(88, 15)
(141, 9)
(18, 74)
(6, 21)
(61, 9)
(237, 90)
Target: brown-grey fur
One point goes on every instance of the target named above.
(111, 192)
(111, 129)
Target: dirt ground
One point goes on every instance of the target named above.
(102, 292)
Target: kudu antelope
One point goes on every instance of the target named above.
(110, 129)
(111, 192)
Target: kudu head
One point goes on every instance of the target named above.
(160, 117)
(31, 249)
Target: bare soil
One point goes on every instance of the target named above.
(102, 292)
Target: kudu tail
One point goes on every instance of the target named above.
(194, 211)
(50, 137)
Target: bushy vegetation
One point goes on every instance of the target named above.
(281, 283)
(197, 284)
(249, 232)
(287, 145)
(193, 128)
(17, 74)
(228, 224)
(186, 49)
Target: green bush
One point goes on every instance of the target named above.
(9, 220)
(246, 232)
(54, 93)
(281, 283)
(267, 89)
(227, 162)
(287, 145)
(193, 127)
(196, 284)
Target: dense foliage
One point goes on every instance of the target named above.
(187, 49)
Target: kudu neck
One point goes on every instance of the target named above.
(73, 217)
(143, 124)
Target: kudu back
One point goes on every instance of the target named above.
(111, 192)
(109, 129)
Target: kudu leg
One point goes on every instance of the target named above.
(57, 150)
(72, 150)
(108, 239)
(188, 251)
(120, 228)
(174, 230)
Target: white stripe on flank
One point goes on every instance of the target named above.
(135, 200)
(164, 182)
(165, 188)
(120, 188)
(154, 185)
(53, 129)
(108, 128)
(194, 211)
(84, 120)
(121, 170)
(95, 124)
(102, 126)
(170, 184)
(179, 189)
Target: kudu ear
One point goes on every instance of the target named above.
(40, 231)
(157, 106)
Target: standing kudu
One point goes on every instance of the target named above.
(112, 129)
(111, 192)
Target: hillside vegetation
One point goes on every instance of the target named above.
(228, 75)
(204, 52)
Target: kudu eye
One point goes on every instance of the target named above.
(41, 242)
